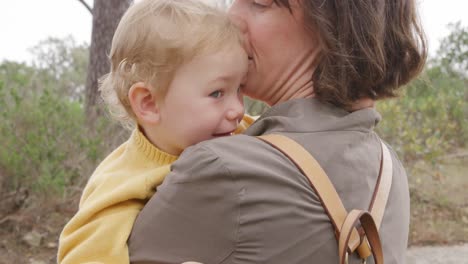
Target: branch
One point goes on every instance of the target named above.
(87, 6)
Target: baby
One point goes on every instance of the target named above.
(177, 68)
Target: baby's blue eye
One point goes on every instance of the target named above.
(216, 94)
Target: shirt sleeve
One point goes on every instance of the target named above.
(101, 238)
(193, 216)
(99, 231)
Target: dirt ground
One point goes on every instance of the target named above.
(455, 254)
(30, 226)
(439, 204)
(29, 235)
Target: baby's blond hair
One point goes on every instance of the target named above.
(153, 39)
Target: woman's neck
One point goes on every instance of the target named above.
(296, 82)
(296, 90)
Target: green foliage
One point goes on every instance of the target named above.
(65, 65)
(45, 143)
(428, 120)
(254, 107)
(453, 50)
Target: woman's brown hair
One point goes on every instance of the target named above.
(369, 48)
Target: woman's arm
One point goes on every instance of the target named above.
(192, 217)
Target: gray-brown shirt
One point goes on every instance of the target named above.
(239, 200)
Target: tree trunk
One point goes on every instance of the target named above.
(106, 16)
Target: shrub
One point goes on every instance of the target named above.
(429, 119)
(42, 133)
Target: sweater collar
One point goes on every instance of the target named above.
(150, 151)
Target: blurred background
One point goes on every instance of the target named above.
(54, 130)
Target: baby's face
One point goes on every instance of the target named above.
(204, 100)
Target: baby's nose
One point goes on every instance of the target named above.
(236, 111)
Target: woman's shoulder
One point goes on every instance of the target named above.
(225, 150)
(228, 156)
(234, 162)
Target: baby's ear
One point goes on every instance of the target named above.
(144, 103)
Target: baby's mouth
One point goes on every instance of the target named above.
(224, 134)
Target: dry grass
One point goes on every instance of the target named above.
(439, 208)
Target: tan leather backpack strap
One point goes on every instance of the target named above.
(370, 229)
(383, 186)
(319, 181)
(380, 196)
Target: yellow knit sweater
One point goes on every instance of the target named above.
(114, 195)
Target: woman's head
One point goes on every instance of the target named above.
(154, 39)
(357, 49)
(281, 50)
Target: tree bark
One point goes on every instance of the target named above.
(106, 16)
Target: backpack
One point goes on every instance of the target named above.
(352, 237)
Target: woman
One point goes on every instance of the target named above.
(320, 65)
